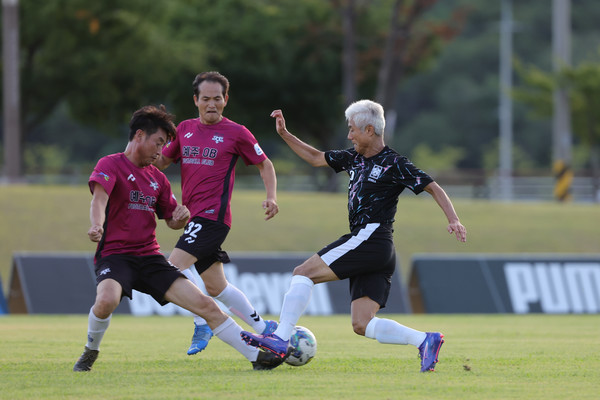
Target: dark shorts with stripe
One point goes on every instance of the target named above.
(152, 275)
(203, 238)
(367, 257)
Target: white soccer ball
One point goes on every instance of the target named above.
(304, 346)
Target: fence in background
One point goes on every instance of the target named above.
(466, 185)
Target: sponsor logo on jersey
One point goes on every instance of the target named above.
(131, 178)
(258, 150)
(188, 135)
(217, 139)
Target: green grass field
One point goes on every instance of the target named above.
(484, 357)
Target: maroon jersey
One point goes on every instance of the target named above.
(208, 154)
(135, 195)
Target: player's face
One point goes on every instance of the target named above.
(210, 102)
(359, 138)
(151, 146)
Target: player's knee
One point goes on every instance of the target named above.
(359, 327)
(103, 307)
(215, 287)
(299, 270)
(212, 291)
(303, 270)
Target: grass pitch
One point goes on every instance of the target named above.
(484, 357)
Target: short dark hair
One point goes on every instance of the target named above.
(211, 76)
(150, 119)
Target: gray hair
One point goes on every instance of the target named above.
(366, 112)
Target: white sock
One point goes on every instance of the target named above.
(198, 320)
(229, 332)
(391, 332)
(238, 304)
(294, 303)
(96, 329)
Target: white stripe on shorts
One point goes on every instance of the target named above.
(355, 241)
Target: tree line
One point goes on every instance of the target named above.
(85, 66)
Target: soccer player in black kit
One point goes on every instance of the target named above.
(366, 256)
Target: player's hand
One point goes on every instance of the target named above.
(95, 233)
(279, 122)
(271, 208)
(181, 213)
(459, 230)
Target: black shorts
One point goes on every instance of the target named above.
(152, 275)
(203, 238)
(367, 257)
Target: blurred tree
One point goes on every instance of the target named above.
(97, 62)
(454, 102)
(104, 59)
(442, 160)
(583, 82)
(409, 45)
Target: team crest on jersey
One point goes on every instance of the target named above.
(258, 150)
(375, 173)
(154, 185)
(217, 139)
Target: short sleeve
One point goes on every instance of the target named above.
(340, 160)
(104, 174)
(248, 148)
(412, 177)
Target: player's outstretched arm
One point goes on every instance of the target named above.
(442, 199)
(314, 157)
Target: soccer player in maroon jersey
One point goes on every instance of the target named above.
(366, 256)
(207, 148)
(128, 192)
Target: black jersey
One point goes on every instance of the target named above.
(376, 183)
